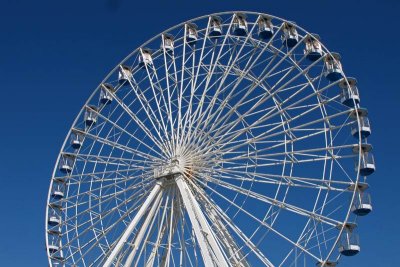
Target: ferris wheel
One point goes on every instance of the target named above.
(233, 139)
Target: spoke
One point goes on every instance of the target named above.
(304, 152)
(209, 76)
(104, 232)
(182, 128)
(222, 232)
(239, 233)
(275, 202)
(169, 96)
(231, 63)
(139, 122)
(129, 134)
(291, 180)
(267, 134)
(106, 198)
(247, 69)
(270, 94)
(155, 86)
(108, 160)
(263, 223)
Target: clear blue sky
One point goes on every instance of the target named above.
(53, 54)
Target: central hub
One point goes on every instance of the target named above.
(170, 170)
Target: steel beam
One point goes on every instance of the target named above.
(210, 250)
(133, 224)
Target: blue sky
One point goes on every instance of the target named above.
(54, 54)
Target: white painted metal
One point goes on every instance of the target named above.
(140, 235)
(232, 250)
(206, 152)
(153, 194)
(210, 249)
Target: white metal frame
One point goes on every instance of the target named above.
(242, 129)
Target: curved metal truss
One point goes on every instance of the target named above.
(233, 139)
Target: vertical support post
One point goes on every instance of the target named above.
(139, 236)
(133, 224)
(161, 231)
(210, 251)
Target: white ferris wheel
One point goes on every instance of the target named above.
(233, 139)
